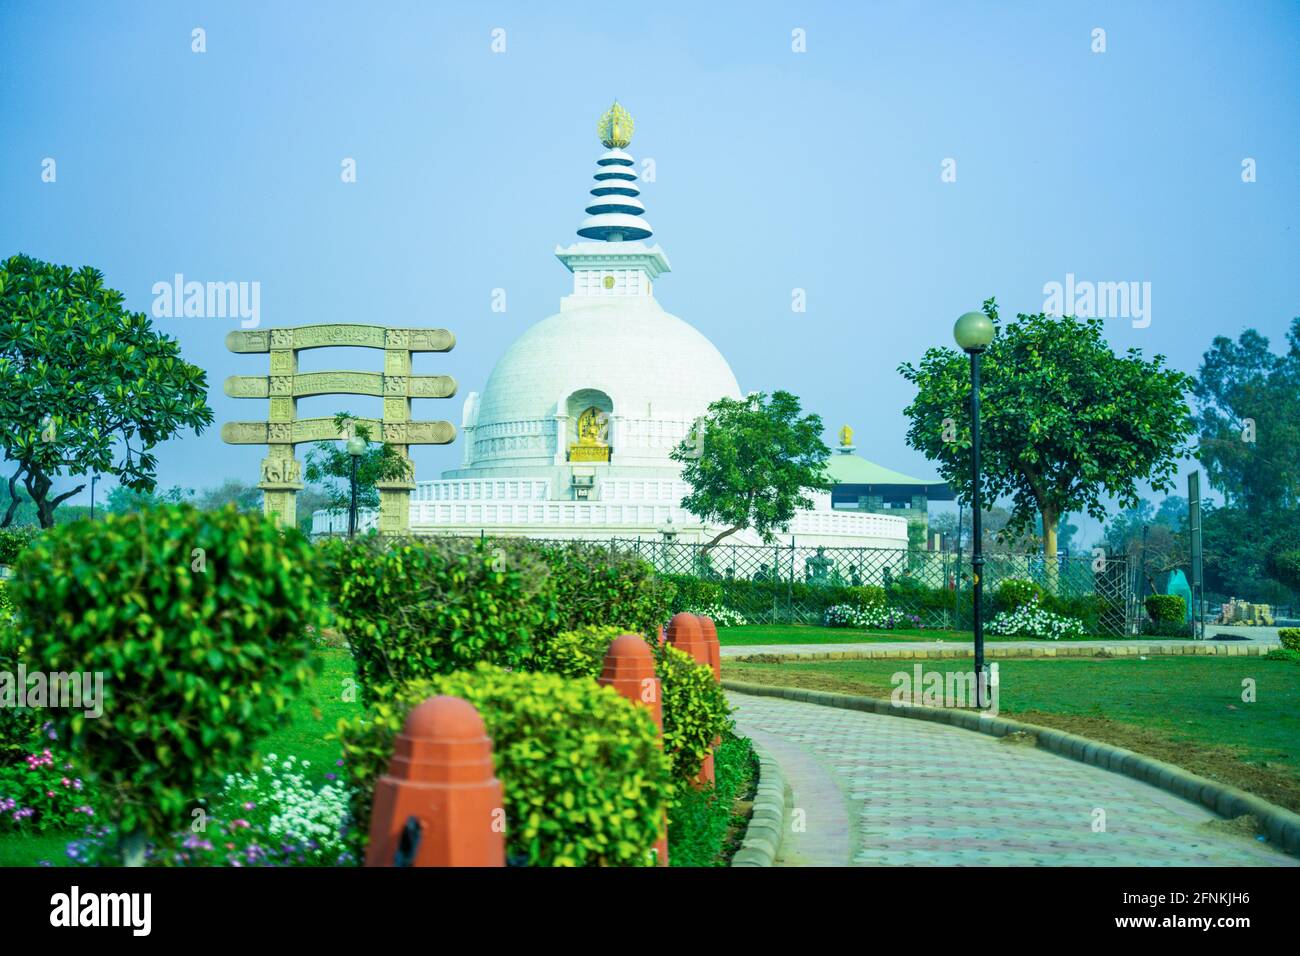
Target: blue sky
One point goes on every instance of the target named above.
(776, 170)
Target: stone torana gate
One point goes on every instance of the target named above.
(281, 471)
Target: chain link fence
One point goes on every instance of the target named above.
(787, 584)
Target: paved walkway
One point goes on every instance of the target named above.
(874, 790)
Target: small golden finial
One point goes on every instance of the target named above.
(615, 127)
(846, 436)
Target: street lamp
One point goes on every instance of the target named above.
(974, 332)
(93, 480)
(356, 448)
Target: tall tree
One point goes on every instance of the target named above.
(85, 386)
(1065, 422)
(1249, 420)
(753, 463)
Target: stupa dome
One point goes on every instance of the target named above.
(641, 365)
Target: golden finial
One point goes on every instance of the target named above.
(846, 436)
(615, 127)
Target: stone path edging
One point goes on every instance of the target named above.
(1281, 825)
(993, 651)
(771, 813)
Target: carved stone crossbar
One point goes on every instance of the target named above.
(283, 430)
(340, 383)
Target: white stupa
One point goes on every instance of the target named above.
(571, 436)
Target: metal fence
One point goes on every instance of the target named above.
(790, 584)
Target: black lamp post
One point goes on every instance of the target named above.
(356, 448)
(974, 332)
(93, 480)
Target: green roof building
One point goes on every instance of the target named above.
(861, 485)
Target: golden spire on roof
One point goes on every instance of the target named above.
(846, 437)
(615, 127)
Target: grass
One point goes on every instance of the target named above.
(706, 826)
(1187, 711)
(752, 634)
(312, 716)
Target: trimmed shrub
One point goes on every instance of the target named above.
(1167, 609)
(1290, 637)
(695, 709)
(577, 653)
(586, 783)
(198, 622)
(694, 705)
(1017, 592)
(417, 607)
(594, 586)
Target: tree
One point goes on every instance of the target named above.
(1249, 421)
(83, 381)
(122, 500)
(756, 457)
(330, 464)
(232, 491)
(1064, 422)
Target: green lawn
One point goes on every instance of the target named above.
(1185, 710)
(752, 634)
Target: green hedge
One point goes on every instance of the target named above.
(586, 782)
(593, 586)
(692, 592)
(417, 607)
(198, 622)
(1290, 637)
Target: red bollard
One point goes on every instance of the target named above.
(715, 659)
(441, 774)
(630, 670)
(685, 634)
(713, 644)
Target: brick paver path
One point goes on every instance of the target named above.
(875, 790)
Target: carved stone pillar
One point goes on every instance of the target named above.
(281, 473)
(395, 494)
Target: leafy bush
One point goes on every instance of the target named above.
(418, 607)
(1290, 637)
(1167, 608)
(1033, 620)
(13, 541)
(586, 782)
(577, 653)
(1276, 654)
(1017, 592)
(594, 585)
(197, 620)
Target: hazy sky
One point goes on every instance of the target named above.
(819, 170)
